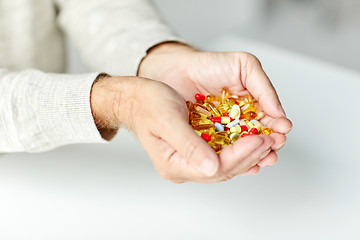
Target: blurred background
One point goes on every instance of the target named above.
(325, 29)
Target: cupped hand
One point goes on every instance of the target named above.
(190, 71)
(158, 116)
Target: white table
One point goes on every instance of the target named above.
(112, 191)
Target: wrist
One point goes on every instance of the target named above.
(163, 57)
(110, 104)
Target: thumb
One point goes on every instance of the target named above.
(191, 147)
(259, 85)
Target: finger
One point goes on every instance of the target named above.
(244, 154)
(270, 159)
(259, 85)
(280, 125)
(253, 170)
(189, 145)
(279, 141)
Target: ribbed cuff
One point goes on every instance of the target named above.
(51, 110)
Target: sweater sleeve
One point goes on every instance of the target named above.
(41, 111)
(113, 35)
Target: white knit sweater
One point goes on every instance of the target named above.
(41, 109)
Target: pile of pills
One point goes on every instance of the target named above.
(222, 120)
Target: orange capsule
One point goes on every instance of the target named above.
(249, 115)
(266, 131)
(189, 105)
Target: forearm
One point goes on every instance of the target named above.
(41, 111)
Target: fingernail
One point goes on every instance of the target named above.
(208, 167)
(279, 146)
(265, 154)
(282, 110)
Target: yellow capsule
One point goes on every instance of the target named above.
(240, 103)
(223, 108)
(223, 95)
(249, 107)
(247, 98)
(201, 121)
(234, 136)
(205, 128)
(266, 131)
(201, 109)
(220, 138)
(217, 147)
(208, 131)
(212, 98)
(249, 115)
(235, 129)
(212, 109)
(197, 115)
(230, 101)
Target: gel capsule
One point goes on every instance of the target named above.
(212, 98)
(197, 115)
(212, 109)
(217, 147)
(266, 131)
(223, 108)
(220, 138)
(234, 136)
(249, 115)
(189, 105)
(200, 121)
(201, 109)
(223, 95)
(206, 128)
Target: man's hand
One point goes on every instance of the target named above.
(158, 116)
(190, 71)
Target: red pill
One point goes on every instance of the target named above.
(244, 134)
(204, 136)
(243, 128)
(199, 96)
(253, 131)
(226, 114)
(222, 120)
